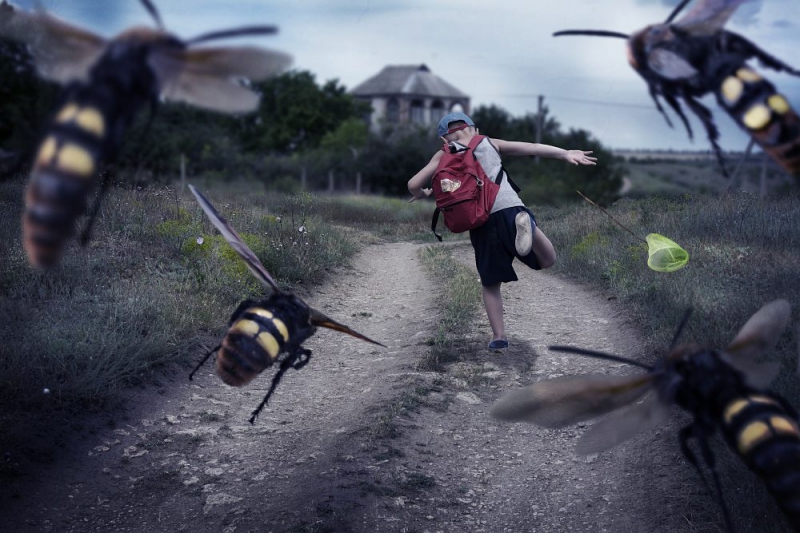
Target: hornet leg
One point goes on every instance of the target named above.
(676, 106)
(201, 363)
(290, 362)
(705, 117)
(708, 457)
(684, 435)
(656, 101)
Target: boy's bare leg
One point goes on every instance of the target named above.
(544, 251)
(493, 301)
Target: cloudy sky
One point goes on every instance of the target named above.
(499, 52)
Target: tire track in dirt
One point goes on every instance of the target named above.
(360, 441)
(517, 477)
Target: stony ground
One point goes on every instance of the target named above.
(360, 440)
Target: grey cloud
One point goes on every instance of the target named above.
(784, 24)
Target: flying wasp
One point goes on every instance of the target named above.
(725, 389)
(260, 331)
(694, 56)
(106, 83)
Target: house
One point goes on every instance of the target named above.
(409, 94)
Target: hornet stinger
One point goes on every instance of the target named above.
(106, 84)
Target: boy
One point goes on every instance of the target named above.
(511, 230)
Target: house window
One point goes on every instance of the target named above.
(437, 110)
(417, 112)
(393, 111)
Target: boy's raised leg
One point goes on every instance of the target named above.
(543, 249)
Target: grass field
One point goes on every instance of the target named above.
(743, 253)
(157, 280)
(159, 276)
(671, 177)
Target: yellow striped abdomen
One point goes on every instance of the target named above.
(252, 344)
(764, 431)
(63, 172)
(756, 106)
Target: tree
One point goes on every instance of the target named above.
(392, 157)
(25, 101)
(295, 113)
(345, 145)
(551, 181)
(492, 120)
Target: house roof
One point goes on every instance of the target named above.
(415, 80)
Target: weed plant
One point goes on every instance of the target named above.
(743, 253)
(459, 304)
(385, 218)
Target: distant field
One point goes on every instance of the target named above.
(673, 174)
(666, 155)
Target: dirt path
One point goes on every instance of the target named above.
(359, 440)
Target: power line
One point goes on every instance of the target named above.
(581, 101)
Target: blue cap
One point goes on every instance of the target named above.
(442, 128)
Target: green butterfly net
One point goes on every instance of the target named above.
(665, 255)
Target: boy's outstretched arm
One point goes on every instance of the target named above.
(423, 177)
(575, 157)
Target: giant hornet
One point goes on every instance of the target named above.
(107, 82)
(260, 331)
(725, 389)
(694, 56)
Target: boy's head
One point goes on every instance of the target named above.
(453, 122)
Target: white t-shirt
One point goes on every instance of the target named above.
(489, 159)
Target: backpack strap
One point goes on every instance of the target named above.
(500, 173)
(434, 222)
(508, 177)
(475, 141)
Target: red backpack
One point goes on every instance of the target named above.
(463, 193)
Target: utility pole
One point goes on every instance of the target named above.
(183, 173)
(539, 124)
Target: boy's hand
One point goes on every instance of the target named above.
(579, 157)
(425, 192)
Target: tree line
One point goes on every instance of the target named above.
(304, 134)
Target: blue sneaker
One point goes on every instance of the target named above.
(524, 239)
(498, 345)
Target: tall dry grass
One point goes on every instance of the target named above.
(743, 253)
(460, 298)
